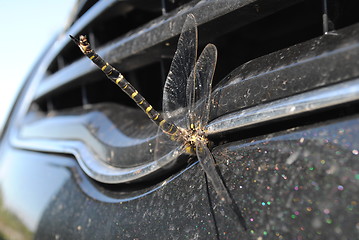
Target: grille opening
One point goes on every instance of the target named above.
(169, 5)
(116, 22)
(60, 100)
(285, 28)
(102, 91)
(111, 27)
(67, 99)
(146, 79)
(143, 79)
(343, 13)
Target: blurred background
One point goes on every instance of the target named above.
(26, 28)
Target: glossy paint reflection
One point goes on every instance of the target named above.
(298, 184)
(28, 183)
(177, 210)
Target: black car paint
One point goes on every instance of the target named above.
(297, 183)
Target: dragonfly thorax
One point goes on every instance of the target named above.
(191, 137)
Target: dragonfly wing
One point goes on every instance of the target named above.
(199, 86)
(167, 149)
(174, 93)
(207, 163)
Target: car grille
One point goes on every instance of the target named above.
(273, 55)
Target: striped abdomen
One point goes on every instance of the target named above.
(115, 76)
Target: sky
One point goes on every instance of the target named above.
(26, 27)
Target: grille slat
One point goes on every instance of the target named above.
(155, 40)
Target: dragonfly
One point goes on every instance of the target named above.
(187, 90)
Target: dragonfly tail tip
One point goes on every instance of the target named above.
(74, 39)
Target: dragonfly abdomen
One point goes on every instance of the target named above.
(115, 76)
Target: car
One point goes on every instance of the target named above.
(79, 159)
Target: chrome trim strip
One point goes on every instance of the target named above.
(287, 107)
(93, 167)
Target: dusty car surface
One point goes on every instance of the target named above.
(78, 158)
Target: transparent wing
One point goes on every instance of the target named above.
(207, 163)
(165, 146)
(174, 93)
(199, 86)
